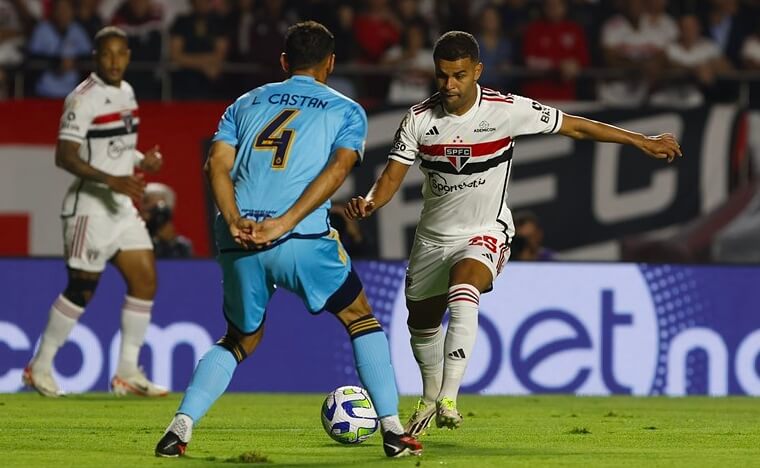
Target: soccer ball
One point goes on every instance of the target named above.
(348, 415)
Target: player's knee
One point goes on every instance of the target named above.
(348, 300)
(79, 290)
(240, 346)
(143, 285)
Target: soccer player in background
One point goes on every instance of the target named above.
(97, 143)
(463, 137)
(280, 152)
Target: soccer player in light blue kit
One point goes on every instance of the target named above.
(280, 152)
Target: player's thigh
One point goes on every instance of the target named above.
(479, 260)
(427, 274)
(86, 242)
(315, 270)
(247, 290)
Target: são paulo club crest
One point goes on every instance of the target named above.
(457, 155)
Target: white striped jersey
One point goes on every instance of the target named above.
(104, 120)
(467, 160)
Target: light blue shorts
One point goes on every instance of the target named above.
(314, 269)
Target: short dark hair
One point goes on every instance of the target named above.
(307, 44)
(455, 45)
(108, 32)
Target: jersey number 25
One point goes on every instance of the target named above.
(275, 137)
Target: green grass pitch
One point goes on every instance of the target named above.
(284, 430)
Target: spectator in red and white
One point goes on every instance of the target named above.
(142, 20)
(700, 57)
(495, 49)
(555, 45)
(411, 61)
(631, 46)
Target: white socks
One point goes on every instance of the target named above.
(427, 347)
(460, 337)
(135, 317)
(182, 425)
(64, 314)
(391, 424)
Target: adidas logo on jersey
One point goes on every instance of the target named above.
(458, 354)
(108, 101)
(432, 131)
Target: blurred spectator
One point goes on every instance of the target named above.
(658, 22)
(558, 46)
(516, 15)
(142, 21)
(750, 54)
(88, 17)
(157, 209)
(238, 17)
(630, 44)
(376, 29)
(15, 22)
(697, 55)
(495, 49)
(338, 16)
(412, 62)
(270, 25)
(724, 25)
(455, 15)
(59, 42)
(408, 12)
(198, 47)
(529, 239)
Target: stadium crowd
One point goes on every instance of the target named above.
(623, 52)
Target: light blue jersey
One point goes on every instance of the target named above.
(284, 134)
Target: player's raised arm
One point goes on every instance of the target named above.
(381, 192)
(664, 146)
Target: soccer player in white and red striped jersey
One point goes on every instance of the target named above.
(97, 143)
(463, 137)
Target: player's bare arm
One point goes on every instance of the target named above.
(320, 189)
(380, 193)
(67, 158)
(664, 146)
(221, 158)
(152, 160)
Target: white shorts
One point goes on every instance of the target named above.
(89, 241)
(429, 264)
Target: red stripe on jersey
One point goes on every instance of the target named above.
(487, 148)
(426, 107)
(108, 118)
(498, 99)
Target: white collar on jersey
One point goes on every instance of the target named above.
(100, 81)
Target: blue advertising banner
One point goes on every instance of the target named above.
(546, 328)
